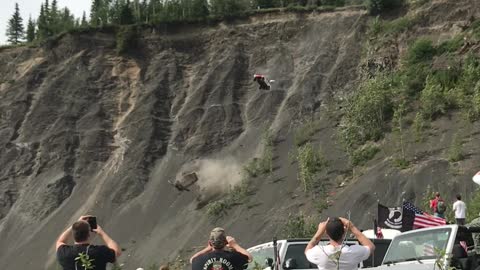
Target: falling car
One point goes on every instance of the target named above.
(262, 81)
(186, 180)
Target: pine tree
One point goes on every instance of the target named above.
(155, 8)
(84, 22)
(144, 12)
(95, 13)
(15, 30)
(114, 11)
(126, 15)
(53, 18)
(47, 24)
(199, 9)
(67, 20)
(42, 24)
(103, 11)
(31, 30)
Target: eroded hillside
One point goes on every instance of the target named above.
(86, 130)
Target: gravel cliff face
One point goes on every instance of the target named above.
(85, 130)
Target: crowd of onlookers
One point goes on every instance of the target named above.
(222, 251)
(439, 208)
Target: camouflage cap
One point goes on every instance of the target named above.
(218, 238)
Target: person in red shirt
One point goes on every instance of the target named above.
(434, 205)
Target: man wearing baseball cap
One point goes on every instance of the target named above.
(222, 253)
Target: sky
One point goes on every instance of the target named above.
(32, 7)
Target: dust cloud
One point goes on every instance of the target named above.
(215, 175)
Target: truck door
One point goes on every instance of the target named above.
(295, 257)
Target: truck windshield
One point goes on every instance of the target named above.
(260, 255)
(417, 246)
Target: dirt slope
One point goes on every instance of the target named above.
(87, 131)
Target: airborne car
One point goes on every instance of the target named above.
(262, 81)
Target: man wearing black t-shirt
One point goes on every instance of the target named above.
(221, 253)
(98, 256)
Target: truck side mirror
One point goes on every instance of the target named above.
(269, 262)
(290, 263)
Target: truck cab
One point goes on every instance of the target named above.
(291, 254)
(439, 247)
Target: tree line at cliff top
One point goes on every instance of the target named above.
(53, 20)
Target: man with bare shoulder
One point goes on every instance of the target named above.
(336, 255)
(97, 257)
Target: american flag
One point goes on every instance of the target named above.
(423, 220)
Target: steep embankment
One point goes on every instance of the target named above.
(87, 131)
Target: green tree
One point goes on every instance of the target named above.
(42, 24)
(31, 30)
(66, 19)
(15, 30)
(84, 20)
(47, 20)
(126, 14)
(155, 8)
(95, 13)
(115, 10)
(104, 12)
(200, 9)
(53, 18)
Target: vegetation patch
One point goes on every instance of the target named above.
(367, 112)
(299, 226)
(236, 196)
(310, 161)
(455, 151)
(304, 133)
(362, 155)
(393, 27)
(376, 7)
(264, 163)
(126, 38)
(473, 209)
(429, 84)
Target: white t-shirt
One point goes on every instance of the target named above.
(350, 256)
(459, 208)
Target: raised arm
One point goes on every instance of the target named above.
(362, 239)
(109, 241)
(207, 249)
(63, 238)
(234, 245)
(318, 235)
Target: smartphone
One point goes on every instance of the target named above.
(93, 222)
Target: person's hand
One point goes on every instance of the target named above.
(231, 241)
(98, 230)
(322, 225)
(84, 218)
(347, 223)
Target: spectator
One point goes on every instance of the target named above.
(99, 255)
(222, 252)
(335, 255)
(460, 208)
(438, 206)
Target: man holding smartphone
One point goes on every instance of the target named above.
(82, 253)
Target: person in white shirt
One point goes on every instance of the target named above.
(460, 208)
(335, 255)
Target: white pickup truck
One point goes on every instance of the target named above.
(442, 248)
(291, 254)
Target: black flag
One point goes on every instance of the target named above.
(390, 217)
